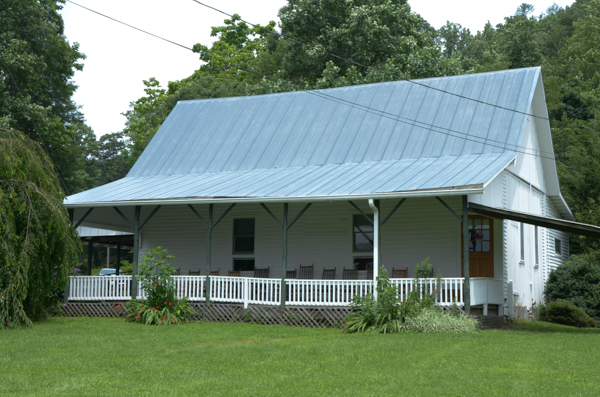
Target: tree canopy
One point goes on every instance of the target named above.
(42, 62)
(37, 240)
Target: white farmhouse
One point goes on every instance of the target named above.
(345, 180)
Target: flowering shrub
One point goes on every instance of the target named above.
(160, 305)
(388, 314)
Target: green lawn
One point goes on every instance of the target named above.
(84, 356)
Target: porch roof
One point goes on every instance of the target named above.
(397, 138)
(420, 177)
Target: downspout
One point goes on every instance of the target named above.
(375, 245)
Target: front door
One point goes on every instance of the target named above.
(481, 247)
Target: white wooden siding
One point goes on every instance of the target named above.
(521, 187)
(554, 260)
(323, 235)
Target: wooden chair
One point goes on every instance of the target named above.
(400, 273)
(215, 272)
(178, 271)
(234, 273)
(350, 274)
(306, 272)
(262, 273)
(193, 273)
(329, 274)
(291, 274)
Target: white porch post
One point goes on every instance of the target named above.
(375, 245)
(465, 232)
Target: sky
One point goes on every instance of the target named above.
(119, 58)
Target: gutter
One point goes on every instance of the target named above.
(472, 189)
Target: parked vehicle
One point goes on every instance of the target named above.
(110, 272)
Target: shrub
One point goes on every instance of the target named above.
(577, 281)
(566, 313)
(160, 305)
(388, 314)
(435, 320)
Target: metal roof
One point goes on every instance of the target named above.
(367, 139)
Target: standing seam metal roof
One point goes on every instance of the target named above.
(377, 138)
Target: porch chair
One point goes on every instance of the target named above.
(350, 274)
(328, 274)
(262, 273)
(291, 274)
(306, 272)
(400, 273)
(178, 271)
(234, 273)
(215, 272)
(193, 273)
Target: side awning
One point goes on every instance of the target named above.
(537, 220)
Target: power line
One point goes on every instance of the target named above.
(427, 126)
(415, 123)
(34, 124)
(398, 78)
(133, 27)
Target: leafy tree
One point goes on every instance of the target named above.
(42, 62)
(37, 240)
(383, 34)
(236, 50)
(232, 61)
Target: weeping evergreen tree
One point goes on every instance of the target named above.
(37, 241)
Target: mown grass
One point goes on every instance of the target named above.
(83, 356)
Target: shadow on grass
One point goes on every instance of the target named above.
(542, 326)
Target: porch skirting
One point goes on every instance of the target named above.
(297, 316)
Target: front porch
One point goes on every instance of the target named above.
(267, 291)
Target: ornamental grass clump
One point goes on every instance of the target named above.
(159, 305)
(388, 314)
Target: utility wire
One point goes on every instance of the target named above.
(427, 126)
(398, 78)
(416, 123)
(133, 27)
(34, 124)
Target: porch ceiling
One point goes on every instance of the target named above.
(537, 220)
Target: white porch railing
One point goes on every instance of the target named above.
(99, 288)
(266, 291)
(451, 290)
(326, 292)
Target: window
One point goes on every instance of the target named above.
(363, 233)
(479, 234)
(243, 264)
(522, 241)
(537, 247)
(557, 246)
(243, 236)
(363, 263)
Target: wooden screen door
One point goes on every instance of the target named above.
(481, 247)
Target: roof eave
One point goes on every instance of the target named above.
(452, 191)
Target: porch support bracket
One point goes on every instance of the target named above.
(393, 211)
(285, 226)
(82, 218)
(210, 225)
(384, 219)
(449, 209)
